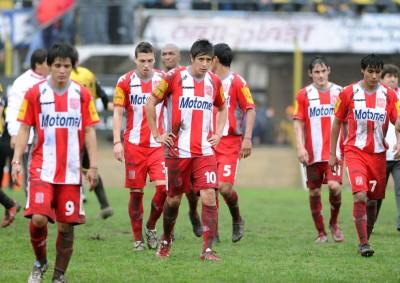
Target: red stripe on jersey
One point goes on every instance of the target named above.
(197, 122)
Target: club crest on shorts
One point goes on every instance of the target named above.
(131, 174)
(39, 197)
(359, 181)
(74, 103)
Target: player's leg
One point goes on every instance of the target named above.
(178, 173)
(69, 212)
(314, 181)
(39, 209)
(204, 177)
(194, 217)
(358, 176)
(396, 178)
(12, 208)
(334, 180)
(156, 165)
(389, 168)
(135, 180)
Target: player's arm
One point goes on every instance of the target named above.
(91, 148)
(299, 131)
(20, 145)
(14, 103)
(220, 124)
(396, 113)
(117, 127)
(100, 92)
(341, 110)
(150, 108)
(246, 143)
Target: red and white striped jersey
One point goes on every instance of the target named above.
(315, 108)
(189, 103)
(132, 93)
(238, 100)
(368, 115)
(59, 120)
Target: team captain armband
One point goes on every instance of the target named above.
(398, 107)
(22, 110)
(337, 105)
(160, 90)
(119, 97)
(246, 92)
(93, 113)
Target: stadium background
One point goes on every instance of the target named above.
(273, 40)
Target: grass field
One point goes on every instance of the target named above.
(277, 247)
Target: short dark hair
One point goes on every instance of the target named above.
(224, 54)
(372, 61)
(62, 50)
(144, 47)
(38, 57)
(390, 69)
(201, 47)
(317, 60)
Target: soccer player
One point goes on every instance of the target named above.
(236, 141)
(170, 59)
(312, 117)
(142, 153)
(390, 77)
(367, 106)
(170, 56)
(85, 77)
(190, 94)
(37, 72)
(62, 114)
(11, 206)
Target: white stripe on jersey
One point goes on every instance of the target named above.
(315, 123)
(136, 89)
(47, 102)
(186, 116)
(73, 174)
(206, 147)
(379, 136)
(360, 103)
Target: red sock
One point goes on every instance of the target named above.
(209, 218)
(38, 240)
(64, 247)
(360, 221)
(316, 212)
(135, 209)
(232, 202)
(157, 205)
(170, 215)
(335, 201)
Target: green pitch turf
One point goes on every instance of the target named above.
(277, 247)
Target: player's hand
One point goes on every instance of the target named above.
(396, 151)
(93, 177)
(245, 151)
(333, 162)
(303, 157)
(119, 151)
(15, 171)
(214, 139)
(166, 138)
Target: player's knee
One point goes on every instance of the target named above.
(65, 227)
(360, 197)
(372, 203)
(225, 189)
(174, 201)
(39, 220)
(314, 192)
(208, 197)
(334, 188)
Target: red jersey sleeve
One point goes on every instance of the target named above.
(28, 110)
(243, 94)
(299, 112)
(89, 113)
(165, 85)
(394, 107)
(219, 98)
(341, 106)
(121, 91)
